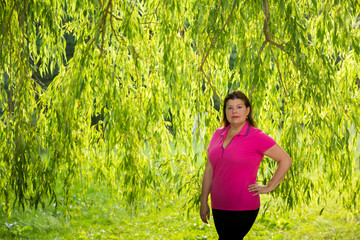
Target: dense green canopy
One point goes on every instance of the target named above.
(136, 102)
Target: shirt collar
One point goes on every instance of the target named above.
(243, 132)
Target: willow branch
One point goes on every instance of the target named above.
(101, 4)
(267, 33)
(11, 107)
(266, 9)
(211, 47)
(266, 29)
(153, 12)
(88, 47)
(278, 45)
(128, 21)
(212, 87)
(218, 9)
(103, 26)
(217, 37)
(273, 36)
(149, 23)
(10, 16)
(278, 68)
(116, 17)
(261, 49)
(115, 34)
(284, 50)
(132, 48)
(288, 69)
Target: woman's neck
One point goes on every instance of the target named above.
(236, 128)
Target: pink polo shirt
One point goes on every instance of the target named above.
(236, 167)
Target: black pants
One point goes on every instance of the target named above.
(233, 225)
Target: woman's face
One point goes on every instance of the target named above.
(236, 112)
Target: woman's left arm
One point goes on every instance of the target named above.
(284, 163)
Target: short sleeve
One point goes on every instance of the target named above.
(264, 142)
(215, 135)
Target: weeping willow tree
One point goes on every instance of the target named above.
(153, 74)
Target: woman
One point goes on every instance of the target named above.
(235, 152)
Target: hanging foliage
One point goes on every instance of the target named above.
(133, 107)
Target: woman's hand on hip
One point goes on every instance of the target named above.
(259, 189)
(205, 212)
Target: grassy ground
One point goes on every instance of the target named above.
(97, 218)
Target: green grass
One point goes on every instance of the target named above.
(99, 218)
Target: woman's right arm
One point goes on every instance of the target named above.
(205, 191)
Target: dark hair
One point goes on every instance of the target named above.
(237, 95)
